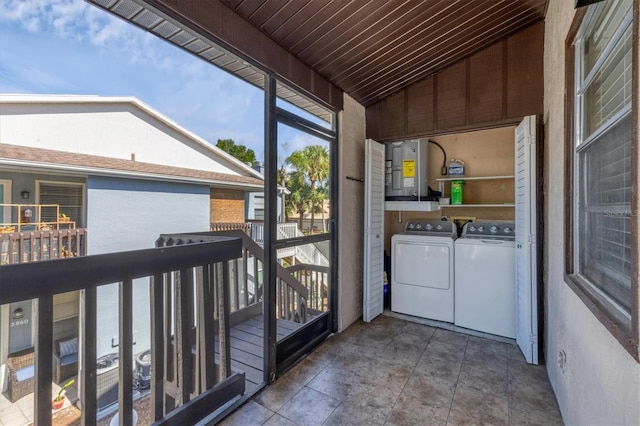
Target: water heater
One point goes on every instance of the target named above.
(406, 170)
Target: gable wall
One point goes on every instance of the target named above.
(109, 130)
(495, 87)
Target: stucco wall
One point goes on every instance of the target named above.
(351, 197)
(600, 382)
(129, 215)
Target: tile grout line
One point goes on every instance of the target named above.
(270, 417)
(412, 370)
(508, 388)
(396, 401)
(341, 402)
(455, 388)
(292, 396)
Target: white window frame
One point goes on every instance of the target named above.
(581, 143)
(6, 184)
(83, 219)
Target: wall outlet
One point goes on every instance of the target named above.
(460, 221)
(463, 219)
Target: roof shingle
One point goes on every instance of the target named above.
(47, 157)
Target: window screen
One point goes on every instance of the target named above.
(603, 155)
(605, 214)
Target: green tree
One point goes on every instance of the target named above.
(298, 201)
(241, 152)
(313, 163)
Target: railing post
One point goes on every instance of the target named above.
(125, 339)
(157, 346)
(88, 356)
(224, 335)
(182, 341)
(206, 326)
(44, 350)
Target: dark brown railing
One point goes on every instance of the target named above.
(232, 226)
(188, 283)
(315, 278)
(246, 282)
(32, 246)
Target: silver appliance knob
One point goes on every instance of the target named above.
(427, 227)
(480, 228)
(493, 229)
(507, 230)
(411, 225)
(418, 226)
(439, 227)
(472, 228)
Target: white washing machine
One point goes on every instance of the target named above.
(422, 278)
(486, 279)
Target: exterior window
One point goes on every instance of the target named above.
(69, 196)
(256, 207)
(602, 161)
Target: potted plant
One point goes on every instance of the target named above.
(59, 399)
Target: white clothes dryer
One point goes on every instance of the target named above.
(422, 271)
(486, 278)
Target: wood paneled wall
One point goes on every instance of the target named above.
(494, 87)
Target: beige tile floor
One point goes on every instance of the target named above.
(395, 372)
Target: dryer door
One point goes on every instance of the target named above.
(423, 264)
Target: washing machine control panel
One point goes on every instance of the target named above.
(489, 230)
(430, 227)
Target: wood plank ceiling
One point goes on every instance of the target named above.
(371, 49)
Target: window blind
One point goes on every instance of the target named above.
(67, 195)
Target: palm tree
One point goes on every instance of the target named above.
(324, 191)
(299, 200)
(313, 163)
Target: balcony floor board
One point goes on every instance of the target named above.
(247, 347)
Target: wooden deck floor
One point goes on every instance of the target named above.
(247, 347)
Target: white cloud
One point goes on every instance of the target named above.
(292, 140)
(77, 20)
(69, 46)
(38, 15)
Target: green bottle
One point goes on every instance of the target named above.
(456, 191)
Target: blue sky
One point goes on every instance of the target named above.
(71, 47)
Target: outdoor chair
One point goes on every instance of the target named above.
(65, 353)
(22, 371)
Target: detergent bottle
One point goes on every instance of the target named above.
(456, 167)
(456, 191)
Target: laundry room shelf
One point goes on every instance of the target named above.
(478, 205)
(441, 181)
(412, 206)
(475, 178)
(441, 188)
